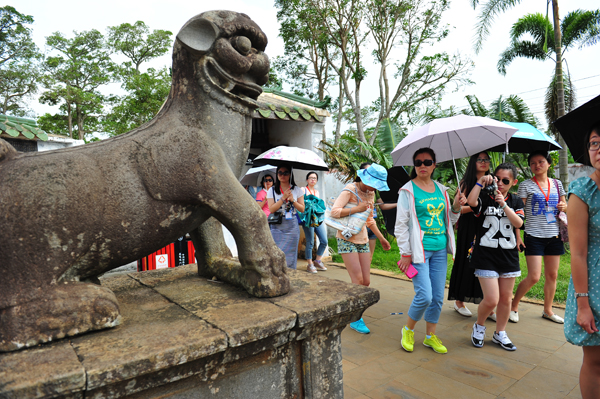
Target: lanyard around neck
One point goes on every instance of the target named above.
(546, 196)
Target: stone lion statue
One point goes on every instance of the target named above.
(69, 215)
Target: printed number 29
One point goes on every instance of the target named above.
(505, 227)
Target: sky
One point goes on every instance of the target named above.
(526, 78)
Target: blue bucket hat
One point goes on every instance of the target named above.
(374, 176)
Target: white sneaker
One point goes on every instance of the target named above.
(463, 311)
(502, 339)
(478, 335)
(492, 316)
(311, 269)
(513, 316)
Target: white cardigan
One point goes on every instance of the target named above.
(408, 231)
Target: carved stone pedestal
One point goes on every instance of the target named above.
(183, 336)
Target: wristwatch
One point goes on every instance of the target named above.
(580, 294)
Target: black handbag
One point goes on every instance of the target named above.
(275, 218)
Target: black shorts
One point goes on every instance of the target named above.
(535, 246)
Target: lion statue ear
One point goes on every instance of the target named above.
(198, 35)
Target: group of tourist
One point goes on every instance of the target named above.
(487, 236)
(486, 263)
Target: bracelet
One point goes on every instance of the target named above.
(477, 183)
(502, 207)
(581, 294)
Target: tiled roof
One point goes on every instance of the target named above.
(275, 104)
(26, 128)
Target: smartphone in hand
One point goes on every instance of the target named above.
(411, 271)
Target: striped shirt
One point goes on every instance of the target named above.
(536, 224)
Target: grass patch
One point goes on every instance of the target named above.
(383, 260)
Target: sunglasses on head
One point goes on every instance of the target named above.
(282, 173)
(504, 181)
(427, 162)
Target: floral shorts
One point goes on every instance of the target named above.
(347, 247)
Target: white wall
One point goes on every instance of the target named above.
(55, 143)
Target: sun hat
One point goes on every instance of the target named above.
(374, 176)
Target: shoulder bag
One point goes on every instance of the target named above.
(348, 225)
(563, 230)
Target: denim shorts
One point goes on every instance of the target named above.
(543, 246)
(347, 247)
(370, 234)
(493, 274)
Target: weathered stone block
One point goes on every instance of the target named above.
(184, 336)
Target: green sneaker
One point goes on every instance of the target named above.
(408, 339)
(435, 343)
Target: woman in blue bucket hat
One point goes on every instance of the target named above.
(355, 249)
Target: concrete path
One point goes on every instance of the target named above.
(375, 365)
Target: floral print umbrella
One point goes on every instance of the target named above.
(298, 158)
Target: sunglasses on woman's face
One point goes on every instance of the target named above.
(269, 180)
(504, 181)
(282, 173)
(427, 162)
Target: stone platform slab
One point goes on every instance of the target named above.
(183, 336)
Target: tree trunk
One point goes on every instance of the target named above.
(338, 127)
(70, 119)
(560, 94)
(79, 115)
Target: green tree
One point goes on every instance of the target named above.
(74, 70)
(146, 93)
(401, 30)
(509, 109)
(137, 43)
(532, 36)
(15, 35)
(492, 8)
(54, 123)
(19, 61)
(18, 81)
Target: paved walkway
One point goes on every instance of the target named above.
(375, 365)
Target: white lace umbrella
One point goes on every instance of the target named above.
(251, 177)
(298, 158)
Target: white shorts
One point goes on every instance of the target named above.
(492, 274)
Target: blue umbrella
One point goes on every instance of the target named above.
(527, 140)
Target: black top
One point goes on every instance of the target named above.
(496, 245)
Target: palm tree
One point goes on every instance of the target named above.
(578, 28)
(509, 109)
(489, 11)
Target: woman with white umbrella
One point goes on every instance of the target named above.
(286, 198)
(424, 231)
(266, 182)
